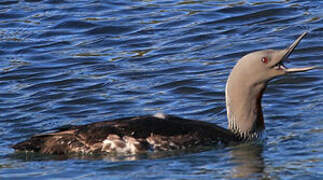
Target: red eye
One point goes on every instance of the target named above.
(264, 60)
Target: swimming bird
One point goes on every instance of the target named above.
(160, 132)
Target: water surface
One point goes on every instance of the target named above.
(75, 62)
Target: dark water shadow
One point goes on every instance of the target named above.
(249, 160)
(35, 156)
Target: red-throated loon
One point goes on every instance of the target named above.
(244, 89)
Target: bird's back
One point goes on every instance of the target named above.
(129, 135)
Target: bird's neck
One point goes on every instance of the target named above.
(244, 111)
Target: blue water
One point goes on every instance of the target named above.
(75, 62)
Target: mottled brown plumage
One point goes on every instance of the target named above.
(146, 133)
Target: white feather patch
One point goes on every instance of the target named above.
(160, 115)
(114, 144)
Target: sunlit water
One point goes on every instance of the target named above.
(76, 62)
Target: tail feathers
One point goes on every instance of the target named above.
(52, 144)
(34, 144)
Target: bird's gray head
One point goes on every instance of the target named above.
(246, 84)
(262, 66)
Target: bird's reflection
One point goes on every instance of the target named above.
(248, 159)
(34, 156)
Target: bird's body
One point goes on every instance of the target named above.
(244, 90)
(131, 135)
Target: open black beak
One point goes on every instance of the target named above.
(287, 52)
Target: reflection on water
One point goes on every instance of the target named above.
(248, 160)
(34, 156)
